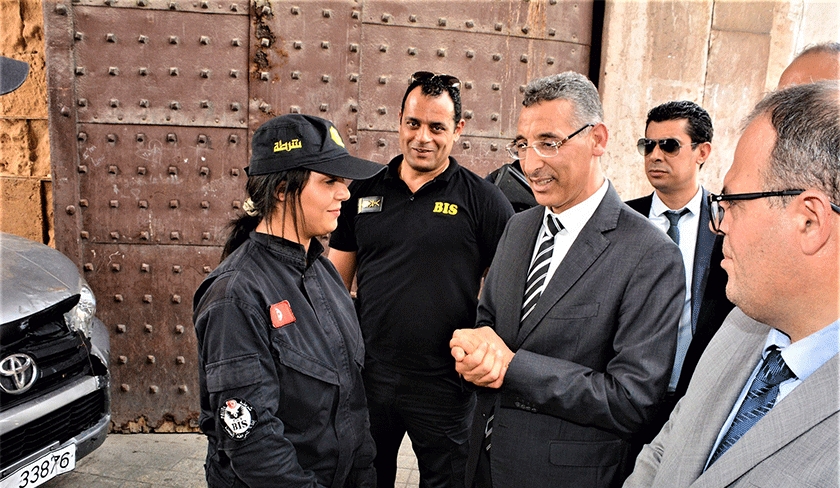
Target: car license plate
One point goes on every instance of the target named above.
(43, 469)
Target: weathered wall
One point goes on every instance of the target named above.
(723, 55)
(25, 196)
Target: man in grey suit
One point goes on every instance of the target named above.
(763, 407)
(577, 321)
(677, 142)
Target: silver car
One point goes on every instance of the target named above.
(54, 355)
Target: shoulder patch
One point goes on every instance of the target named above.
(281, 314)
(237, 418)
(370, 204)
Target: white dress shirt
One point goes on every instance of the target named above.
(573, 220)
(688, 227)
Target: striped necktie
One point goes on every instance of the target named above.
(759, 400)
(535, 283)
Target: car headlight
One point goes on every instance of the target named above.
(80, 317)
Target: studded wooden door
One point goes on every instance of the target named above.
(152, 103)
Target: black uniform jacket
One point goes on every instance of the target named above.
(280, 361)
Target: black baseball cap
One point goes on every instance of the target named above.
(12, 74)
(304, 141)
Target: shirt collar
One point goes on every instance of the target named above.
(291, 251)
(657, 207)
(806, 355)
(574, 218)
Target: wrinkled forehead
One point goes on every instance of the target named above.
(553, 118)
(429, 108)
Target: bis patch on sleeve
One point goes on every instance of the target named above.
(237, 418)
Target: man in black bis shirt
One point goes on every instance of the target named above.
(418, 238)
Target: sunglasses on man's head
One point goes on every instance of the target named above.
(447, 80)
(669, 146)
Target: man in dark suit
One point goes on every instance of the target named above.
(677, 142)
(576, 326)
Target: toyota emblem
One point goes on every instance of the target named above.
(18, 373)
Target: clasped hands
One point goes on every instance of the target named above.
(481, 356)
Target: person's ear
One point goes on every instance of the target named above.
(705, 149)
(458, 128)
(815, 221)
(599, 136)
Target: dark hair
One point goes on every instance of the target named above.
(434, 87)
(263, 191)
(806, 153)
(570, 86)
(699, 127)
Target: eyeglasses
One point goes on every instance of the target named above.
(423, 76)
(717, 211)
(669, 146)
(544, 149)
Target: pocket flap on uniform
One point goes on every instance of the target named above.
(308, 366)
(581, 453)
(232, 373)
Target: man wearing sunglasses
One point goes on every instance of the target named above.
(677, 142)
(418, 238)
(577, 321)
(763, 406)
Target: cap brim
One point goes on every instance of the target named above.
(12, 74)
(347, 167)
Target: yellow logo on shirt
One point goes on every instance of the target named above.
(445, 208)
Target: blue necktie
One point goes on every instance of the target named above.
(759, 400)
(673, 220)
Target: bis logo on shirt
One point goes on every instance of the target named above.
(445, 208)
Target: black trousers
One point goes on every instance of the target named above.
(436, 413)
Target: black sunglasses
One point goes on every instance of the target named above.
(669, 146)
(424, 76)
(717, 210)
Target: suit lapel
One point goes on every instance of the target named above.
(810, 403)
(702, 411)
(518, 260)
(702, 257)
(590, 244)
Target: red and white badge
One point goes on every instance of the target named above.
(281, 314)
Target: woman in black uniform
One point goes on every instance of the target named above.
(280, 350)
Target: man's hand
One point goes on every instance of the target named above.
(481, 356)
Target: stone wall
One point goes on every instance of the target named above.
(722, 55)
(25, 194)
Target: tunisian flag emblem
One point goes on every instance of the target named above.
(281, 314)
